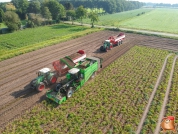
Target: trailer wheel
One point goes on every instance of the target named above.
(106, 49)
(40, 87)
(121, 41)
(70, 91)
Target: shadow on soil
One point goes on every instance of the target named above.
(27, 91)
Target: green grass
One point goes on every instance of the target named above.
(163, 20)
(35, 38)
(2, 25)
(117, 18)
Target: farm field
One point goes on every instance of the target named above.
(27, 40)
(163, 20)
(116, 103)
(19, 71)
(117, 18)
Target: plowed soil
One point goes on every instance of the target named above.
(16, 73)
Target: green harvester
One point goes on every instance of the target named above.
(75, 79)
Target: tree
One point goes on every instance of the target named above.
(12, 20)
(94, 18)
(72, 14)
(34, 7)
(81, 13)
(21, 6)
(68, 6)
(1, 15)
(57, 10)
(10, 7)
(46, 13)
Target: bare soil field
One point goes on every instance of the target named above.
(16, 73)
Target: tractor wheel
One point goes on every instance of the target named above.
(101, 48)
(70, 91)
(40, 87)
(58, 86)
(53, 79)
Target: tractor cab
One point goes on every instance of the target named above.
(44, 72)
(74, 74)
(106, 45)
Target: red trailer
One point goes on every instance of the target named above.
(117, 40)
(61, 66)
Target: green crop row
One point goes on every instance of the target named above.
(5, 54)
(172, 105)
(113, 102)
(155, 108)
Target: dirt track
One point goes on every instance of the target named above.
(17, 72)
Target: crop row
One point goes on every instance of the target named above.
(172, 105)
(155, 108)
(6, 53)
(112, 102)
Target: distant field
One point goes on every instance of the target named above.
(164, 20)
(117, 18)
(27, 40)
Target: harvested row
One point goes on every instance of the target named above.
(106, 104)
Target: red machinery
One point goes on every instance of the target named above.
(64, 64)
(112, 41)
(117, 40)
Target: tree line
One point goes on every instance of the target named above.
(110, 6)
(42, 12)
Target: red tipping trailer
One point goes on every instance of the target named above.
(61, 66)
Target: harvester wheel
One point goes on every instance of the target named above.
(70, 91)
(53, 79)
(40, 87)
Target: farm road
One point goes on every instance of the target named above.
(128, 29)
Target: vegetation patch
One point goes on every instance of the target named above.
(117, 18)
(32, 39)
(163, 20)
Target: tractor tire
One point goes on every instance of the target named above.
(101, 48)
(70, 91)
(32, 86)
(58, 86)
(53, 79)
(40, 87)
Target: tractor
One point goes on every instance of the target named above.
(75, 79)
(45, 78)
(112, 41)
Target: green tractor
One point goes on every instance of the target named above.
(45, 77)
(75, 79)
(106, 46)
